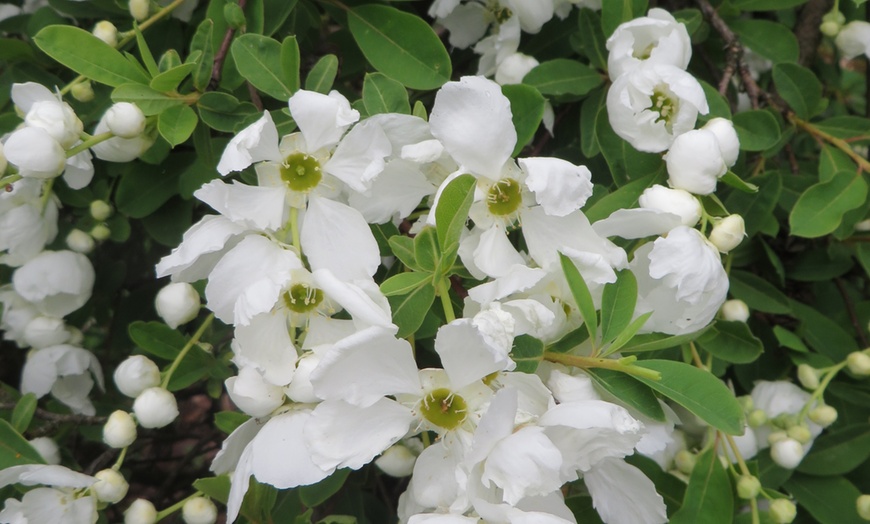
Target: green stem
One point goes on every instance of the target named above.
(444, 292)
(744, 469)
(190, 343)
(92, 141)
(839, 143)
(294, 229)
(11, 179)
(120, 461)
(46, 194)
(820, 391)
(624, 365)
(162, 514)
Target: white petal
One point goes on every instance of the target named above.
(232, 448)
(495, 255)
(281, 456)
(525, 463)
(35, 153)
(337, 237)
(467, 24)
(361, 298)
(255, 143)
(239, 483)
(35, 474)
(57, 282)
(252, 394)
(28, 93)
(560, 187)
(434, 481)
(265, 343)
(395, 193)
(472, 118)
(255, 206)
(467, 355)
(359, 157)
(201, 247)
(79, 170)
(496, 424)
(622, 493)
(520, 278)
(322, 119)
(546, 236)
(636, 223)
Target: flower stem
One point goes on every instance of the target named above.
(120, 461)
(162, 514)
(181, 354)
(839, 143)
(294, 230)
(624, 365)
(92, 141)
(444, 292)
(46, 194)
(11, 179)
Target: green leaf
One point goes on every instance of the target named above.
(731, 179)
(798, 86)
(427, 254)
(628, 333)
(731, 342)
(820, 208)
(755, 207)
(851, 128)
(14, 449)
(593, 38)
(617, 305)
(157, 338)
(290, 63)
(410, 310)
(588, 120)
(217, 488)
(657, 341)
(404, 283)
(527, 111)
(756, 129)
(322, 75)
(403, 248)
(22, 415)
(563, 77)
(527, 352)
(316, 494)
(142, 189)
(228, 421)
(150, 101)
(169, 80)
(823, 334)
(629, 391)
(766, 5)
(400, 45)
(623, 198)
(758, 293)
(176, 124)
(451, 213)
(382, 94)
(719, 106)
(275, 13)
(709, 497)
(789, 340)
(615, 12)
(838, 452)
(145, 52)
(259, 60)
(87, 55)
(830, 500)
(698, 391)
(772, 40)
(222, 111)
(202, 41)
(581, 294)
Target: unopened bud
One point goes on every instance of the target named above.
(47, 449)
(397, 461)
(808, 376)
(120, 430)
(125, 120)
(748, 487)
(823, 415)
(685, 461)
(234, 15)
(676, 201)
(79, 241)
(756, 418)
(141, 511)
(155, 408)
(139, 9)
(787, 453)
(746, 403)
(107, 32)
(800, 432)
(82, 91)
(862, 504)
(735, 310)
(110, 486)
(726, 136)
(832, 22)
(782, 511)
(776, 436)
(101, 232)
(859, 363)
(728, 233)
(101, 210)
(199, 510)
(136, 374)
(177, 304)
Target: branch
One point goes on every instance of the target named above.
(221, 55)
(807, 29)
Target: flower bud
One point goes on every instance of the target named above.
(832, 22)
(120, 430)
(695, 162)
(823, 415)
(726, 136)
(685, 461)
(800, 432)
(110, 486)
(58, 119)
(514, 67)
(862, 504)
(397, 461)
(125, 120)
(728, 233)
(808, 376)
(177, 303)
(155, 408)
(776, 436)
(735, 310)
(82, 91)
(748, 487)
(199, 510)
(756, 418)
(746, 402)
(863, 225)
(141, 511)
(43, 332)
(101, 210)
(676, 201)
(35, 153)
(859, 363)
(234, 15)
(139, 9)
(136, 374)
(252, 394)
(101, 232)
(854, 39)
(79, 241)
(47, 449)
(782, 511)
(787, 453)
(107, 32)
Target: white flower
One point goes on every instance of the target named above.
(729, 143)
(136, 374)
(177, 303)
(199, 510)
(676, 201)
(727, 233)
(45, 110)
(35, 153)
(695, 162)
(47, 449)
(65, 371)
(125, 120)
(110, 486)
(252, 394)
(79, 241)
(655, 39)
(735, 310)
(155, 407)
(117, 149)
(854, 39)
(27, 222)
(787, 453)
(119, 430)
(141, 511)
(531, 15)
(652, 104)
(50, 505)
(42, 332)
(399, 459)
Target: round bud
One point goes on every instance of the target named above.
(177, 303)
(800, 432)
(787, 453)
(139, 9)
(136, 374)
(808, 376)
(746, 403)
(155, 408)
(82, 91)
(756, 418)
(782, 511)
(199, 510)
(120, 430)
(685, 461)
(107, 32)
(823, 415)
(748, 487)
(79, 241)
(110, 486)
(859, 363)
(728, 233)
(862, 504)
(43, 332)
(735, 310)
(101, 232)
(726, 136)
(234, 15)
(676, 201)
(47, 449)
(141, 511)
(832, 22)
(397, 461)
(776, 436)
(101, 210)
(125, 120)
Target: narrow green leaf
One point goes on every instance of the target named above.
(617, 305)
(588, 120)
(316, 494)
(527, 112)
(766, 5)
(426, 250)
(657, 341)
(800, 87)
(830, 500)
(410, 310)
(382, 94)
(290, 63)
(403, 248)
(145, 52)
(258, 59)
(451, 213)
(756, 129)
(322, 75)
(731, 179)
(169, 80)
(156, 338)
(217, 488)
(202, 41)
(404, 283)
(628, 333)
(709, 497)
(731, 342)
(628, 390)
(758, 293)
(150, 101)
(623, 198)
(838, 452)
(14, 449)
(527, 352)
(87, 55)
(228, 421)
(820, 209)
(789, 340)
(420, 110)
(699, 392)
(176, 124)
(593, 38)
(848, 127)
(22, 415)
(581, 294)
(563, 77)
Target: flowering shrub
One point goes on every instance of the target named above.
(512, 261)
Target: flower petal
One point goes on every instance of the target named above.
(322, 119)
(252, 206)
(255, 143)
(336, 237)
(280, 453)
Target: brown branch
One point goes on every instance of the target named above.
(221, 55)
(807, 29)
(61, 418)
(850, 308)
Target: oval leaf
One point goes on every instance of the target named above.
(800, 87)
(176, 124)
(731, 342)
(629, 391)
(563, 77)
(708, 496)
(820, 209)
(838, 452)
(757, 130)
(258, 59)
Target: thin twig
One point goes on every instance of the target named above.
(62, 418)
(850, 308)
(221, 55)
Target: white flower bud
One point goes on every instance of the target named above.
(513, 68)
(862, 504)
(107, 32)
(735, 310)
(47, 449)
(800, 432)
(155, 408)
(695, 162)
(748, 487)
(139, 9)
(729, 143)
(859, 363)
(35, 153)
(79, 241)
(199, 510)
(252, 394)
(177, 303)
(119, 149)
(42, 332)
(397, 461)
(141, 511)
(125, 120)
(685, 461)
(82, 91)
(854, 39)
(676, 201)
(787, 453)
(110, 486)
(776, 436)
(56, 118)
(782, 511)
(136, 374)
(756, 418)
(728, 233)
(101, 232)
(808, 376)
(3, 162)
(823, 415)
(100, 210)
(120, 430)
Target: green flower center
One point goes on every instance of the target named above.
(504, 197)
(664, 105)
(301, 172)
(444, 408)
(301, 298)
(643, 54)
